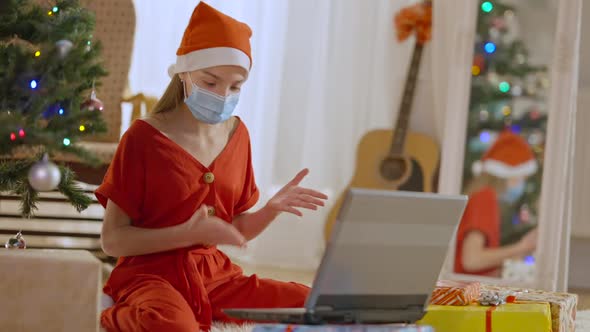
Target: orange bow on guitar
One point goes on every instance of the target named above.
(416, 18)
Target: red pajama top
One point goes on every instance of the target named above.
(158, 184)
(482, 214)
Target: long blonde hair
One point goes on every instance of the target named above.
(172, 98)
(486, 180)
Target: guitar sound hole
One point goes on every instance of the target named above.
(393, 168)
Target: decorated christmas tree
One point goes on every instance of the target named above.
(507, 92)
(49, 66)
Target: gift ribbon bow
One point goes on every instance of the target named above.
(414, 18)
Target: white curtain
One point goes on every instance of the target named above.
(325, 72)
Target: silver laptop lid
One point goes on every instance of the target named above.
(386, 249)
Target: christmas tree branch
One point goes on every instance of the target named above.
(11, 171)
(68, 187)
(14, 179)
(86, 156)
(29, 197)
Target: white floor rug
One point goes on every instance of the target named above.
(583, 321)
(231, 328)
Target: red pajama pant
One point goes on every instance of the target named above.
(189, 292)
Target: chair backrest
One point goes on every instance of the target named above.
(115, 28)
(141, 102)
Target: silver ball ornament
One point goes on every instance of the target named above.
(494, 33)
(16, 242)
(493, 78)
(44, 175)
(516, 90)
(484, 115)
(63, 47)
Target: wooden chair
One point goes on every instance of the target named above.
(56, 225)
(139, 101)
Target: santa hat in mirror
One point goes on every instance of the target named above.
(509, 156)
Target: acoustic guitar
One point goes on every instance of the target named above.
(395, 159)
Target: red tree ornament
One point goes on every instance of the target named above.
(479, 61)
(93, 103)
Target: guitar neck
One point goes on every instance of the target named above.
(403, 117)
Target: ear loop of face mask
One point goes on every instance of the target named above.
(184, 88)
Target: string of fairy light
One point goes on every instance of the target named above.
(490, 47)
(35, 84)
(507, 94)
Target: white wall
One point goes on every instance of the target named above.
(585, 48)
(579, 273)
(581, 223)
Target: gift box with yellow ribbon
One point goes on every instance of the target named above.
(509, 317)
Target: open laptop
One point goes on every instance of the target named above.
(381, 263)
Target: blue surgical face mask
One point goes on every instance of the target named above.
(513, 193)
(209, 107)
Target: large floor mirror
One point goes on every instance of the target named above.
(524, 53)
(509, 92)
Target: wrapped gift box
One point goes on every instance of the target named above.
(49, 290)
(341, 328)
(511, 317)
(449, 292)
(563, 305)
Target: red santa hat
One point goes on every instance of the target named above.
(509, 156)
(212, 39)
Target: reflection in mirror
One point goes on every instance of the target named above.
(505, 139)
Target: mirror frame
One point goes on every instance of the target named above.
(555, 213)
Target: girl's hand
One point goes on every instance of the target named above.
(212, 230)
(291, 196)
(528, 243)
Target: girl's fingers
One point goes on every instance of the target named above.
(298, 178)
(302, 204)
(309, 199)
(293, 211)
(311, 192)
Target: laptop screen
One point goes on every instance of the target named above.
(386, 250)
